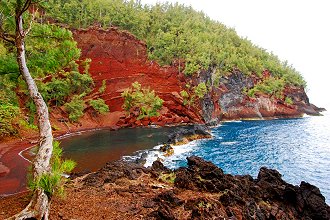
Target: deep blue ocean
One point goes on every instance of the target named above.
(298, 148)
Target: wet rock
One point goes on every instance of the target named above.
(167, 149)
(185, 132)
(158, 167)
(142, 159)
(270, 175)
(312, 202)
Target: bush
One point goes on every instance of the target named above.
(75, 108)
(53, 182)
(8, 115)
(144, 100)
(200, 90)
(270, 86)
(187, 99)
(99, 105)
(103, 87)
(167, 177)
(80, 82)
(288, 100)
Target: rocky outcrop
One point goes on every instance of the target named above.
(122, 190)
(267, 197)
(119, 59)
(235, 104)
(199, 191)
(185, 134)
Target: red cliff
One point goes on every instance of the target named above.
(119, 59)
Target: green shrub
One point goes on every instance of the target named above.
(53, 182)
(200, 90)
(75, 108)
(187, 99)
(99, 105)
(288, 100)
(270, 86)
(142, 99)
(80, 83)
(9, 109)
(167, 177)
(103, 87)
(8, 115)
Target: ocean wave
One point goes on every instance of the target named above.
(151, 155)
(229, 142)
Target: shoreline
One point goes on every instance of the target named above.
(13, 165)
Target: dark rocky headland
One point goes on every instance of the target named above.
(199, 191)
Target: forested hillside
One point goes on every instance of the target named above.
(53, 58)
(176, 32)
(173, 34)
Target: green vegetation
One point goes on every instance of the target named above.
(53, 183)
(8, 114)
(75, 108)
(52, 61)
(103, 87)
(174, 31)
(99, 106)
(187, 99)
(167, 177)
(270, 86)
(200, 90)
(146, 102)
(288, 100)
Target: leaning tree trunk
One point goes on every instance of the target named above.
(39, 205)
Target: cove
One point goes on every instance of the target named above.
(92, 150)
(298, 148)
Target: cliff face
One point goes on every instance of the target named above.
(119, 59)
(229, 100)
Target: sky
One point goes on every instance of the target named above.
(294, 30)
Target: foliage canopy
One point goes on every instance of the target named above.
(146, 102)
(174, 31)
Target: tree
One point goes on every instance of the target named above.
(14, 32)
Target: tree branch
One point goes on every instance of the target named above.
(30, 24)
(24, 8)
(5, 36)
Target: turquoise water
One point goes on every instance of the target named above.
(298, 148)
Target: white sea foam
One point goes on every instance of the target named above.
(234, 121)
(180, 152)
(228, 142)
